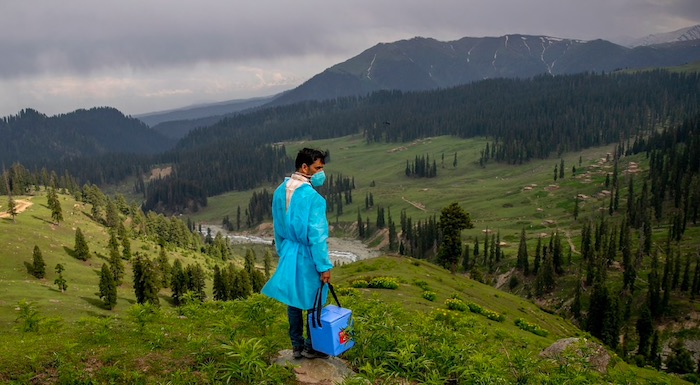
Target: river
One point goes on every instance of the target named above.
(340, 250)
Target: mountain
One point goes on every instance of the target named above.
(684, 34)
(424, 63)
(177, 123)
(31, 137)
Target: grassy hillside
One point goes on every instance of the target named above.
(401, 333)
(34, 226)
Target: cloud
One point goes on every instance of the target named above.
(144, 55)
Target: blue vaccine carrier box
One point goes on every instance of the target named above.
(335, 335)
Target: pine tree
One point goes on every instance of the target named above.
(654, 356)
(685, 283)
(38, 265)
(12, 208)
(676, 271)
(453, 219)
(545, 281)
(696, 280)
(603, 315)
(538, 256)
(268, 264)
(112, 215)
(486, 246)
(178, 282)
(126, 248)
(557, 254)
(561, 169)
(627, 263)
(465, 258)
(60, 281)
(522, 259)
(654, 291)
(108, 288)
(249, 261)
(576, 305)
(393, 239)
(645, 329)
(80, 250)
(360, 225)
(115, 260)
(138, 271)
(163, 267)
(219, 286)
(55, 206)
(257, 281)
(196, 281)
(241, 285)
(146, 285)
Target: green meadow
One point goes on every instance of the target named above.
(498, 197)
(404, 335)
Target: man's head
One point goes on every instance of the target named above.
(310, 161)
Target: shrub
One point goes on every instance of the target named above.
(455, 304)
(445, 316)
(28, 316)
(513, 282)
(422, 284)
(490, 314)
(532, 328)
(384, 283)
(429, 295)
(347, 291)
(359, 283)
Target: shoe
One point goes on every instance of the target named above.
(297, 353)
(311, 354)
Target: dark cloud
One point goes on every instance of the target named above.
(137, 41)
(79, 36)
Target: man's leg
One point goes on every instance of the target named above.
(296, 330)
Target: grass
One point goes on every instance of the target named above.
(399, 334)
(34, 227)
(493, 195)
(183, 345)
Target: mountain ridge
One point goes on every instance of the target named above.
(425, 63)
(32, 136)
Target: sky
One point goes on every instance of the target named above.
(144, 56)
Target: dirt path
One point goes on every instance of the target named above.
(20, 206)
(571, 244)
(419, 206)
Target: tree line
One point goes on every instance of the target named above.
(523, 118)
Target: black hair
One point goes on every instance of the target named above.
(307, 156)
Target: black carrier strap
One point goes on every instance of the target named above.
(318, 305)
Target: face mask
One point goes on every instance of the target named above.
(318, 178)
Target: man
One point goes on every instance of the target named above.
(301, 231)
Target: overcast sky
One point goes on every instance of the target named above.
(150, 55)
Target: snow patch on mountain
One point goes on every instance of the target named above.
(685, 34)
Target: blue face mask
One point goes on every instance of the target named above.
(318, 178)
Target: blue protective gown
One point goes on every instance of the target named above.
(300, 239)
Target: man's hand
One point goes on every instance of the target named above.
(326, 276)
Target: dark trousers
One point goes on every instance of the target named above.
(296, 328)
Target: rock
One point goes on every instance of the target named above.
(596, 355)
(319, 371)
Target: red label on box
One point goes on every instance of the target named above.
(344, 337)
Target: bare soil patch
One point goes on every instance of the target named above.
(20, 206)
(157, 173)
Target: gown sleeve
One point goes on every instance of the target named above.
(318, 235)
